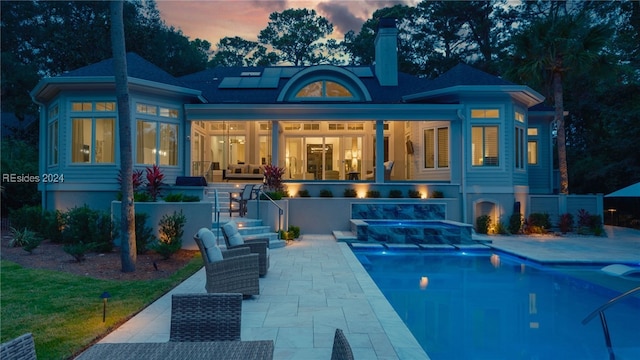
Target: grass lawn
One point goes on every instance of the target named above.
(64, 311)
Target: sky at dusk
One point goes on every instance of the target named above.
(214, 19)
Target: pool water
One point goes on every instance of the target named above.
(489, 305)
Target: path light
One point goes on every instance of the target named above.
(105, 295)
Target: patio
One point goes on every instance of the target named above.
(317, 285)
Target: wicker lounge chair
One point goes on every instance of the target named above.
(20, 348)
(341, 347)
(205, 317)
(234, 240)
(236, 272)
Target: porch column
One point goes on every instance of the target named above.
(379, 165)
(275, 142)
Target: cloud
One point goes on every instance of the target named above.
(340, 16)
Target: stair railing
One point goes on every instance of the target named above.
(280, 210)
(603, 320)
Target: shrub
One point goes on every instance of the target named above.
(294, 231)
(538, 223)
(501, 229)
(25, 238)
(142, 197)
(588, 223)
(78, 250)
(180, 197)
(482, 224)
(515, 223)
(373, 194)
(395, 194)
(171, 230)
(27, 217)
(274, 195)
(190, 198)
(52, 225)
(90, 227)
(326, 193)
(350, 193)
(437, 194)
(565, 223)
(414, 194)
(155, 179)
(304, 193)
(144, 234)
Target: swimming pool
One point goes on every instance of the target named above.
(490, 305)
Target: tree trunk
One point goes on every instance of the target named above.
(128, 252)
(561, 138)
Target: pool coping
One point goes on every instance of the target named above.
(404, 343)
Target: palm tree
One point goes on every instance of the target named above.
(548, 51)
(128, 252)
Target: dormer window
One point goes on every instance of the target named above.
(323, 89)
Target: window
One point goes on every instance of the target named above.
(146, 109)
(81, 106)
(519, 117)
(106, 106)
(532, 152)
(157, 143)
(532, 147)
(436, 148)
(93, 140)
(484, 146)
(324, 89)
(485, 113)
(170, 113)
(519, 148)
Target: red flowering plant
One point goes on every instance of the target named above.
(136, 180)
(154, 181)
(273, 178)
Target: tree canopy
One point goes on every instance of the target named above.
(295, 35)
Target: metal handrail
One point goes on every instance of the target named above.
(280, 210)
(603, 320)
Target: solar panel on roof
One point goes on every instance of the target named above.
(229, 83)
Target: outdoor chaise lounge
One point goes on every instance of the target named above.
(20, 348)
(230, 271)
(205, 317)
(341, 348)
(234, 240)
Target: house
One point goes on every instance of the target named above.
(483, 140)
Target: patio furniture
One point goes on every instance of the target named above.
(388, 166)
(20, 348)
(209, 350)
(231, 271)
(241, 198)
(341, 348)
(234, 240)
(205, 317)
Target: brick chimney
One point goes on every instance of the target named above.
(386, 46)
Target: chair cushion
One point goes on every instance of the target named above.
(230, 228)
(236, 239)
(209, 243)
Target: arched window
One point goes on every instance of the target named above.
(324, 89)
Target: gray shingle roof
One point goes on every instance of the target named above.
(137, 67)
(464, 75)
